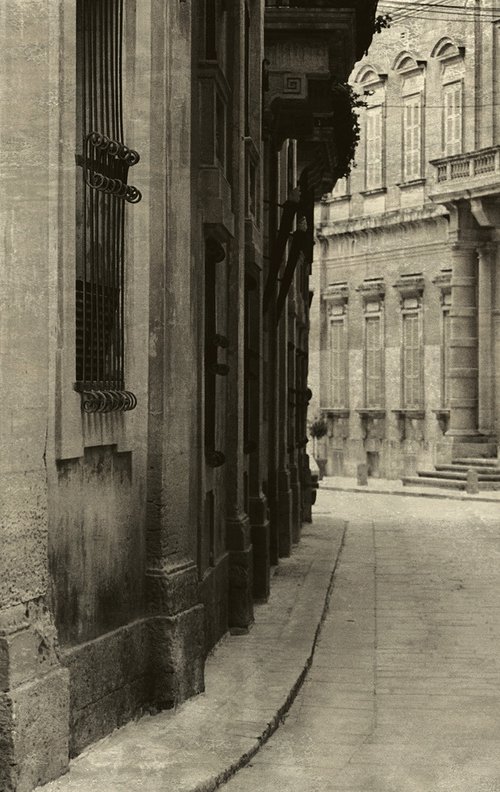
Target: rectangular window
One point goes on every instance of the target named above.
(373, 362)
(412, 360)
(412, 137)
(338, 363)
(102, 195)
(374, 147)
(452, 118)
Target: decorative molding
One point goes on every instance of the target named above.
(372, 290)
(336, 412)
(443, 282)
(447, 50)
(416, 413)
(410, 286)
(385, 221)
(443, 418)
(375, 413)
(408, 184)
(408, 63)
(336, 294)
(373, 191)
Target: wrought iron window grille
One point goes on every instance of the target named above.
(102, 194)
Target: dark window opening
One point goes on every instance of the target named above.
(102, 194)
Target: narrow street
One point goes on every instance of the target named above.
(404, 691)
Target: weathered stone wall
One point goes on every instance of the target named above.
(395, 230)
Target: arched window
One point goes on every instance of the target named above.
(371, 83)
(451, 57)
(411, 71)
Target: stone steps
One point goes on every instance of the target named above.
(475, 461)
(416, 481)
(458, 475)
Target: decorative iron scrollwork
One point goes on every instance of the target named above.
(107, 400)
(105, 166)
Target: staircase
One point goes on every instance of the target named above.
(478, 456)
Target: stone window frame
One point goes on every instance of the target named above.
(372, 81)
(411, 70)
(336, 297)
(372, 292)
(410, 288)
(449, 55)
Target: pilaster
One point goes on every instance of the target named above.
(487, 256)
(463, 371)
(176, 626)
(34, 687)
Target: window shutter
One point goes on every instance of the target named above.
(411, 361)
(452, 121)
(373, 362)
(374, 147)
(412, 138)
(338, 363)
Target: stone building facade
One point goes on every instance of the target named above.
(160, 163)
(405, 326)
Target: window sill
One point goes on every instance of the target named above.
(441, 412)
(371, 412)
(337, 199)
(409, 412)
(336, 412)
(374, 191)
(412, 183)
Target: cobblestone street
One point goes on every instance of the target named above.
(404, 691)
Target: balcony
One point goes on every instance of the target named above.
(467, 175)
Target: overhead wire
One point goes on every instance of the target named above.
(437, 11)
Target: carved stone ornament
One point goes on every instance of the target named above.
(410, 287)
(372, 290)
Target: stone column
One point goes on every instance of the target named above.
(463, 372)
(486, 254)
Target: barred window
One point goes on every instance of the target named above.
(102, 195)
(412, 360)
(373, 362)
(338, 363)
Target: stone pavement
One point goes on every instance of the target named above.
(250, 680)
(396, 487)
(404, 691)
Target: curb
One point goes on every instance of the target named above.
(412, 494)
(280, 716)
(301, 599)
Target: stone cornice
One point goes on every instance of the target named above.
(443, 280)
(336, 293)
(410, 285)
(372, 289)
(384, 220)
